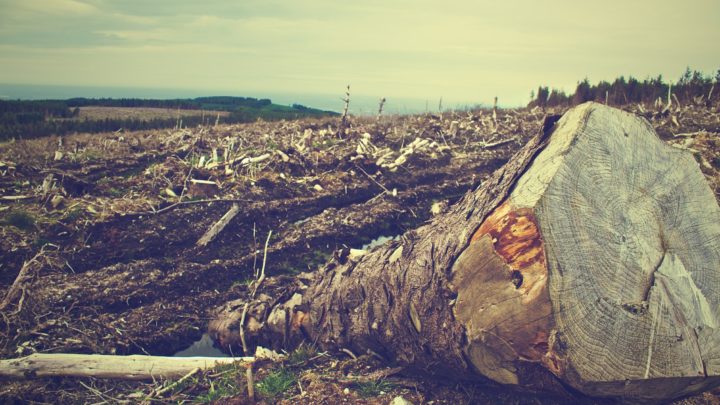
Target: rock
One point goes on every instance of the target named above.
(399, 400)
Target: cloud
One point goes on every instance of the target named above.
(27, 8)
(421, 48)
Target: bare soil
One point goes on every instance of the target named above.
(107, 226)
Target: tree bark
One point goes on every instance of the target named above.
(592, 258)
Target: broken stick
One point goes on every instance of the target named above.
(135, 367)
(218, 226)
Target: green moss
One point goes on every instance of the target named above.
(114, 192)
(40, 242)
(20, 219)
(74, 214)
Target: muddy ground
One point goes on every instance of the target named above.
(104, 229)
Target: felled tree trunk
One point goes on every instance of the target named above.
(591, 258)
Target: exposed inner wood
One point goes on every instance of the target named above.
(505, 265)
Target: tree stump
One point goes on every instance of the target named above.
(592, 258)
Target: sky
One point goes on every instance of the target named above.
(465, 52)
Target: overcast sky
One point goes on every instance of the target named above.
(463, 51)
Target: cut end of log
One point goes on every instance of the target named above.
(603, 265)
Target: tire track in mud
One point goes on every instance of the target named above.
(127, 238)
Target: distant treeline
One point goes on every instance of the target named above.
(218, 103)
(691, 85)
(35, 118)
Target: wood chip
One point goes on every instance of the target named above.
(396, 255)
(415, 318)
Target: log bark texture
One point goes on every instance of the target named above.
(592, 258)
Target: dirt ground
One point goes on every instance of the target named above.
(99, 247)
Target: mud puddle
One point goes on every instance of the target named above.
(203, 347)
(379, 241)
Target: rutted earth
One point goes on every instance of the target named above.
(106, 227)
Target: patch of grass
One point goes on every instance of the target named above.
(241, 283)
(226, 381)
(276, 383)
(302, 354)
(19, 219)
(214, 393)
(114, 192)
(89, 154)
(373, 388)
(40, 242)
(74, 214)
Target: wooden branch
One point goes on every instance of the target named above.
(218, 226)
(498, 143)
(181, 203)
(21, 282)
(135, 367)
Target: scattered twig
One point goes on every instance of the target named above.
(175, 384)
(20, 283)
(349, 353)
(242, 327)
(218, 226)
(257, 283)
(250, 383)
(184, 188)
(373, 180)
(181, 203)
(498, 143)
(262, 270)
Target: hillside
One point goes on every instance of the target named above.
(24, 119)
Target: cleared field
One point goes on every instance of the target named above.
(142, 113)
(114, 223)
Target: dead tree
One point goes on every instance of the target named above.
(380, 107)
(592, 258)
(344, 119)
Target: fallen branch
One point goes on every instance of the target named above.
(15, 197)
(498, 143)
(135, 367)
(18, 286)
(259, 281)
(178, 204)
(218, 226)
(172, 386)
(373, 180)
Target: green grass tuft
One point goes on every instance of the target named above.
(227, 383)
(276, 383)
(373, 388)
(302, 354)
